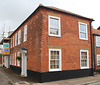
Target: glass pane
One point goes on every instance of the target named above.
(51, 66)
(54, 23)
(57, 66)
(54, 31)
(57, 62)
(82, 35)
(51, 52)
(83, 53)
(52, 62)
(82, 28)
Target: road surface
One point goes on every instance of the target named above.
(4, 80)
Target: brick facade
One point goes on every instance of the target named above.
(96, 50)
(38, 41)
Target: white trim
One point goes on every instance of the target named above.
(25, 33)
(97, 59)
(87, 59)
(13, 41)
(60, 60)
(59, 34)
(86, 31)
(18, 61)
(97, 45)
(16, 39)
(19, 37)
(15, 59)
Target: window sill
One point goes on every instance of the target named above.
(53, 70)
(54, 35)
(97, 46)
(83, 39)
(84, 67)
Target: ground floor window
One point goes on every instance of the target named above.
(54, 59)
(84, 59)
(98, 60)
(15, 59)
(11, 59)
(18, 61)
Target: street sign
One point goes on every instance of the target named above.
(6, 48)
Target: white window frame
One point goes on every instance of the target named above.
(87, 59)
(25, 33)
(13, 41)
(10, 59)
(18, 61)
(97, 45)
(59, 34)
(60, 62)
(97, 60)
(86, 32)
(16, 39)
(19, 37)
(15, 59)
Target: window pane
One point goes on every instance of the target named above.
(54, 31)
(83, 35)
(52, 62)
(83, 59)
(82, 28)
(54, 23)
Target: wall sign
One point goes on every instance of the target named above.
(6, 48)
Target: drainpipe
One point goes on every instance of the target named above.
(94, 52)
(92, 69)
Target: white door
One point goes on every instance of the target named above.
(6, 61)
(24, 65)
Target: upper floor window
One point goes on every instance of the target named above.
(16, 39)
(19, 37)
(54, 26)
(25, 33)
(84, 59)
(97, 41)
(13, 41)
(83, 34)
(98, 60)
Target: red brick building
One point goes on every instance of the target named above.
(53, 44)
(96, 49)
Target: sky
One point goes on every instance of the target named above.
(14, 12)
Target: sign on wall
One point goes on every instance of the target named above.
(6, 48)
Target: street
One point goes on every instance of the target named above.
(96, 83)
(9, 77)
(4, 80)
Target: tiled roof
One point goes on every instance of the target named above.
(51, 7)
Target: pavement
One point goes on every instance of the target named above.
(18, 80)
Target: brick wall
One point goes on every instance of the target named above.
(96, 49)
(33, 43)
(69, 41)
(38, 41)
